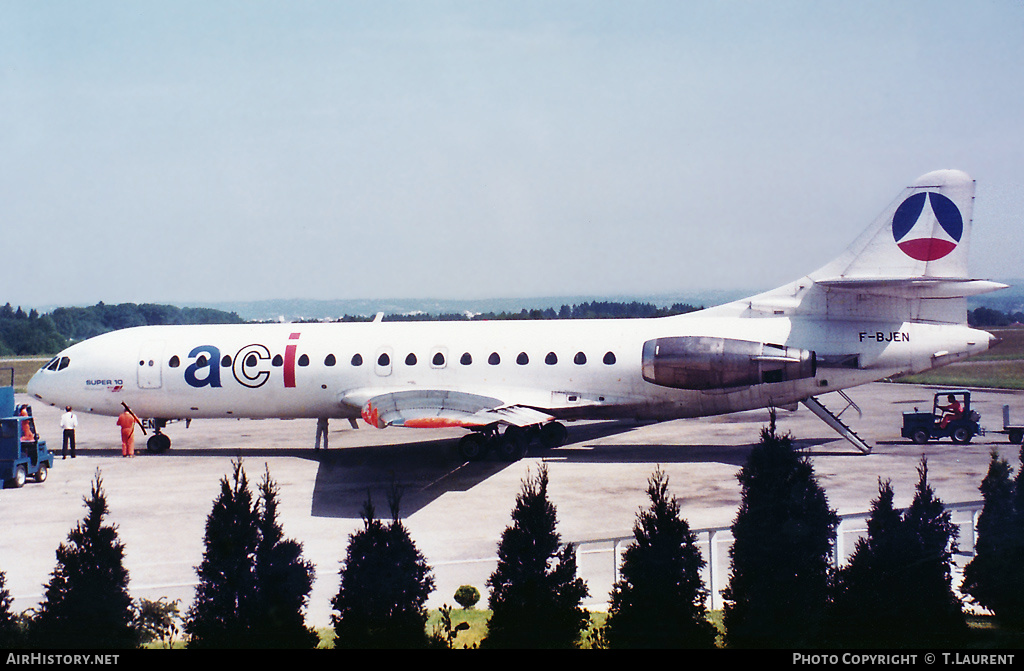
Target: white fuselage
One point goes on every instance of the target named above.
(568, 369)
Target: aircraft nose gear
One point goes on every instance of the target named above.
(158, 442)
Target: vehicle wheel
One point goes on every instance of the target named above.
(158, 443)
(42, 473)
(20, 475)
(920, 437)
(1017, 437)
(471, 447)
(961, 435)
(553, 434)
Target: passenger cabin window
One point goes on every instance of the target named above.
(410, 360)
(277, 361)
(579, 359)
(357, 359)
(383, 360)
(174, 362)
(303, 360)
(522, 359)
(551, 359)
(466, 359)
(225, 361)
(438, 360)
(494, 359)
(330, 360)
(609, 358)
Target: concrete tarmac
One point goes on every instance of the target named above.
(455, 511)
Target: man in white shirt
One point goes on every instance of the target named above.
(68, 422)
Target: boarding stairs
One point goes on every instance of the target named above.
(823, 413)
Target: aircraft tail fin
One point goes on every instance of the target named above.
(909, 265)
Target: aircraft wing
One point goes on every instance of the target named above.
(433, 408)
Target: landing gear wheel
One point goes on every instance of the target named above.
(920, 437)
(961, 435)
(42, 473)
(512, 444)
(472, 447)
(158, 443)
(553, 434)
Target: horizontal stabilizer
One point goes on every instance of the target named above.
(913, 287)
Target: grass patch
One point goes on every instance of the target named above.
(985, 374)
(24, 368)
(999, 368)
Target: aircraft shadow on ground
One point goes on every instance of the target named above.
(421, 471)
(424, 471)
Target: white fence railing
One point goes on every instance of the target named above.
(599, 559)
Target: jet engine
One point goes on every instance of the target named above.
(697, 362)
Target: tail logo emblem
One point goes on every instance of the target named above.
(927, 226)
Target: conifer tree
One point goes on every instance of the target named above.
(895, 591)
(995, 577)
(778, 587)
(283, 581)
(660, 600)
(931, 524)
(535, 593)
(872, 604)
(10, 630)
(221, 615)
(385, 582)
(86, 603)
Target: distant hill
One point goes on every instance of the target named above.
(299, 309)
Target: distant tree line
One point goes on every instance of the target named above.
(81, 323)
(895, 591)
(586, 310)
(29, 333)
(989, 317)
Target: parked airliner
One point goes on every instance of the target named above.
(894, 302)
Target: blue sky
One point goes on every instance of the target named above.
(210, 151)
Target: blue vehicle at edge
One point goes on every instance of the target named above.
(20, 459)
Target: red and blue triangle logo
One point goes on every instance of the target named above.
(914, 226)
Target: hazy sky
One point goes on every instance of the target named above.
(206, 151)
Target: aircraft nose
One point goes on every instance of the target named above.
(36, 386)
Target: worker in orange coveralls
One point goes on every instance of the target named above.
(26, 426)
(126, 421)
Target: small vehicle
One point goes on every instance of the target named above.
(22, 454)
(951, 417)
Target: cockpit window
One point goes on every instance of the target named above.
(57, 363)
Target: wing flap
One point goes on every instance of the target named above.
(437, 408)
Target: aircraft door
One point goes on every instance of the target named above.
(150, 374)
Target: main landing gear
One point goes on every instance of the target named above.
(512, 443)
